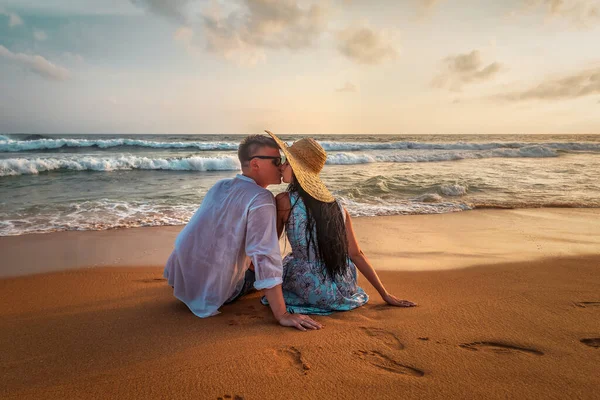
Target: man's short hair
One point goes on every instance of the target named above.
(251, 144)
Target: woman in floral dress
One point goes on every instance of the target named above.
(319, 276)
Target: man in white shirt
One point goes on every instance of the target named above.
(235, 226)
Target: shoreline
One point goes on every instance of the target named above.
(399, 242)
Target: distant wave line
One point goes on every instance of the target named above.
(10, 145)
(524, 152)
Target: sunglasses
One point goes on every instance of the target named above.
(277, 161)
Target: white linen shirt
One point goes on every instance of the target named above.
(235, 224)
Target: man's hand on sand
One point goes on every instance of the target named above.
(299, 321)
(394, 301)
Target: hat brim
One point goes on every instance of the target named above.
(309, 181)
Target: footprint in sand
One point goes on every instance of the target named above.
(248, 316)
(592, 342)
(383, 307)
(499, 348)
(386, 337)
(294, 358)
(387, 363)
(586, 304)
(228, 396)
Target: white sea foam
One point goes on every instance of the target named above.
(35, 165)
(429, 198)
(358, 146)
(9, 145)
(24, 166)
(345, 158)
(97, 215)
(109, 214)
(416, 206)
(51, 144)
(453, 190)
(354, 146)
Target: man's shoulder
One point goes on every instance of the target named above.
(225, 181)
(245, 191)
(262, 197)
(220, 184)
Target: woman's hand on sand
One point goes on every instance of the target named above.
(299, 321)
(394, 301)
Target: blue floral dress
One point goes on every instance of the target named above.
(307, 288)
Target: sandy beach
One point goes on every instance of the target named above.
(509, 307)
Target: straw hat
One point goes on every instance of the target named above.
(307, 159)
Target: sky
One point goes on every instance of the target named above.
(306, 67)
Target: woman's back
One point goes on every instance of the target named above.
(302, 247)
(306, 285)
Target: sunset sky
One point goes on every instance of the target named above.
(354, 66)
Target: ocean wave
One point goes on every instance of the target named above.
(343, 158)
(94, 216)
(107, 214)
(23, 166)
(10, 145)
(429, 198)
(424, 205)
(358, 146)
(28, 166)
(53, 144)
(453, 190)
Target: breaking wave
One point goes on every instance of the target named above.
(51, 144)
(9, 145)
(412, 157)
(22, 166)
(27, 166)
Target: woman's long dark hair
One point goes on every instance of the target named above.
(331, 243)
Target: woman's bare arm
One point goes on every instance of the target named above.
(283, 210)
(364, 266)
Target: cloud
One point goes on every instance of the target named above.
(580, 84)
(429, 4)
(364, 45)
(39, 35)
(463, 69)
(73, 58)
(36, 64)
(184, 34)
(13, 19)
(267, 24)
(172, 9)
(425, 8)
(251, 27)
(579, 12)
(348, 87)
(242, 53)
